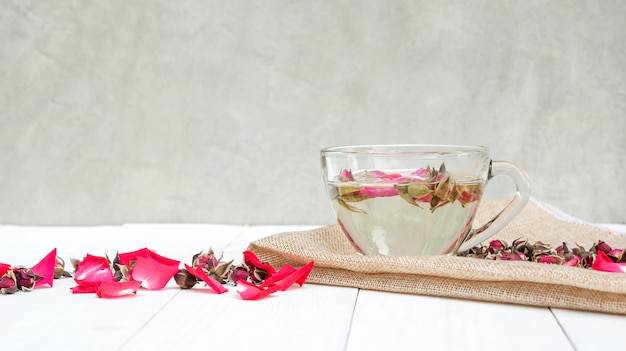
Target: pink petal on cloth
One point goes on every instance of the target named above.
(4, 268)
(212, 283)
(379, 192)
(117, 289)
(45, 269)
(152, 273)
(605, 264)
(249, 291)
(93, 269)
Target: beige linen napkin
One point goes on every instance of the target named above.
(526, 283)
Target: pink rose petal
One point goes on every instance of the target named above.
(249, 291)
(605, 264)
(117, 289)
(282, 273)
(4, 268)
(85, 288)
(212, 283)
(379, 192)
(90, 272)
(45, 269)
(127, 258)
(295, 277)
(152, 273)
(163, 260)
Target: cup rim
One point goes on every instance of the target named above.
(405, 149)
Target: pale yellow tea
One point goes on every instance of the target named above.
(404, 212)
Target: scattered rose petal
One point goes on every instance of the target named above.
(117, 289)
(128, 258)
(154, 272)
(4, 268)
(249, 291)
(282, 273)
(85, 288)
(90, 272)
(45, 269)
(604, 263)
(199, 273)
(295, 277)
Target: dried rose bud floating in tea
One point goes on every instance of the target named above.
(368, 201)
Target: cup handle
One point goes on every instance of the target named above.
(522, 194)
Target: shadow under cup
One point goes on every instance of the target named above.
(408, 200)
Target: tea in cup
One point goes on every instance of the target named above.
(408, 200)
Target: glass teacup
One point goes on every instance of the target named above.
(407, 200)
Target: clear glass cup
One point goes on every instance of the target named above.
(407, 200)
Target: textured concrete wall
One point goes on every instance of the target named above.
(215, 111)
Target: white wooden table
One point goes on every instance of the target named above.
(314, 317)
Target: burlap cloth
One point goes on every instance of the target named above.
(525, 283)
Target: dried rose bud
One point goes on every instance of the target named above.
(497, 245)
(540, 249)
(614, 254)
(587, 259)
(238, 273)
(562, 250)
(59, 268)
(550, 259)
(572, 261)
(184, 279)
(507, 256)
(617, 255)
(221, 271)
(7, 284)
(568, 256)
(602, 246)
(257, 275)
(75, 262)
(25, 278)
(206, 260)
(518, 245)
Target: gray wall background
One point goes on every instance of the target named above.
(215, 111)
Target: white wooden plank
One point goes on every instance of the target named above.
(407, 322)
(592, 331)
(313, 317)
(56, 319)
